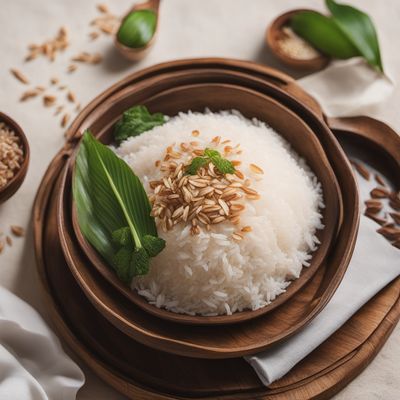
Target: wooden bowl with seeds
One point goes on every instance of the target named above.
(251, 104)
(14, 157)
(290, 49)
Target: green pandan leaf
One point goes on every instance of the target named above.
(359, 29)
(323, 34)
(112, 207)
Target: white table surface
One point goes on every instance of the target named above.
(223, 28)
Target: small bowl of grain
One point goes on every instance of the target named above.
(290, 48)
(14, 157)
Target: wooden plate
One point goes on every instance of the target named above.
(180, 341)
(142, 373)
(252, 104)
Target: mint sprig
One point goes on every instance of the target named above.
(211, 155)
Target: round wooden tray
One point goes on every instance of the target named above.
(140, 372)
(222, 343)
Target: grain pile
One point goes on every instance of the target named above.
(11, 154)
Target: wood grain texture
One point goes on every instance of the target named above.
(15, 183)
(274, 35)
(142, 373)
(250, 103)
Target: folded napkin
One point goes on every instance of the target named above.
(374, 264)
(32, 363)
(348, 87)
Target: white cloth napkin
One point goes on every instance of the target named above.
(348, 87)
(32, 363)
(374, 264)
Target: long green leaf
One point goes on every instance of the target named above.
(108, 197)
(359, 29)
(323, 34)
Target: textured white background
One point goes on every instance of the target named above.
(223, 28)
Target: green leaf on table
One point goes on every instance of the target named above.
(135, 121)
(324, 34)
(112, 207)
(359, 29)
(153, 245)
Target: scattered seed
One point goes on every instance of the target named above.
(396, 217)
(237, 236)
(54, 80)
(376, 218)
(71, 68)
(379, 180)
(361, 169)
(71, 97)
(1, 246)
(9, 240)
(29, 94)
(396, 243)
(195, 133)
(103, 8)
(379, 193)
(247, 228)
(20, 76)
(17, 230)
(49, 100)
(64, 120)
(390, 233)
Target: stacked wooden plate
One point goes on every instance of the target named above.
(152, 354)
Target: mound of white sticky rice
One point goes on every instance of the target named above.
(209, 273)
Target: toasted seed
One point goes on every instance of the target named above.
(256, 169)
(361, 169)
(216, 140)
(9, 240)
(376, 218)
(379, 193)
(71, 68)
(64, 120)
(389, 232)
(28, 95)
(20, 76)
(17, 230)
(218, 219)
(253, 196)
(375, 208)
(236, 163)
(1, 246)
(396, 217)
(247, 228)
(224, 206)
(239, 174)
(49, 100)
(379, 180)
(71, 97)
(103, 8)
(54, 80)
(94, 35)
(395, 205)
(396, 243)
(195, 133)
(237, 236)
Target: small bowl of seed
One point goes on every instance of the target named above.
(14, 157)
(290, 48)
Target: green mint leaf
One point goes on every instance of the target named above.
(122, 264)
(153, 244)
(135, 121)
(324, 34)
(210, 153)
(140, 262)
(359, 29)
(224, 166)
(137, 28)
(196, 163)
(123, 236)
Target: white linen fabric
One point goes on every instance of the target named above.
(32, 362)
(375, 263)
(348, 87)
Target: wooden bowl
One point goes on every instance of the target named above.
(251, 104)
(137, 53)
(273, 36)
(138, 371)
(14, 184)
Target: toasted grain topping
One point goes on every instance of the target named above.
(390, 233)
(9, 241)
(71, 97)
(20, 76)
(237, 236)
(247, 228)
(376, 218)
(103, 8)
(29, 94)
(54, 80)
(202, 200)
(256, 169)
(2, 244)
(379, 180)
(88, 58)
(396, 217)
(71, 68)
(195, 133)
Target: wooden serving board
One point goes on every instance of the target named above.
(159, 375)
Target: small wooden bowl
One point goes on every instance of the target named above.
(137, 53)
(14, 184)
(274, 34)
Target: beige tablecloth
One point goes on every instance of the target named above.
(223, 28)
